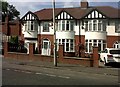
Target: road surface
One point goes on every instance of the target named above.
(60, 77)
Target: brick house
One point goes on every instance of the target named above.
(77, 28)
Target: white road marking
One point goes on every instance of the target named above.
(41, 73)
(23, 71)
(64, 77)
(50, 75)
(17, 70)
(38, 73)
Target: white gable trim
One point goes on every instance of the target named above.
(95, 14)
(29, 17)
(64, 15)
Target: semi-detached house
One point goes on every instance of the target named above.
(77, 28)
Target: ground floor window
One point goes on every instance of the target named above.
(116, 44)
(67, 43)
(101, 44)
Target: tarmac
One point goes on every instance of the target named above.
(35, 66)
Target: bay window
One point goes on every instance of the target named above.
(95, 25)
(101, 44)
(67, 43)
(31, 25)
(65, 25)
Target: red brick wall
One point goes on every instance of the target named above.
(11, 28)
(111, 40)
(81, 61)
(49, 37)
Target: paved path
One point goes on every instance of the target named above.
(78, 68)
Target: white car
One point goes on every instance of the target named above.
(110, 55)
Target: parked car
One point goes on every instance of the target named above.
(110, 55)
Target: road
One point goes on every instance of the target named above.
(59, 77)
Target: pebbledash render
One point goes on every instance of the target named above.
(77, 29)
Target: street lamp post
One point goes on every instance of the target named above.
(55, 59)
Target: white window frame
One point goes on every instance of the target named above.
(60, 41)
(46, 27)
(89, 25)
(29, 24)
(62, 25)
(88, 42)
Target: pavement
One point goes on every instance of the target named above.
(35, 66)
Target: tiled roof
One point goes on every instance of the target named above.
(78, 12)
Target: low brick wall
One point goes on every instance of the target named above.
(91, 62)
(81, 61)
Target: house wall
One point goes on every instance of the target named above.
(111, 40)
(79, 35)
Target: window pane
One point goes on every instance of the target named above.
(94, 25)
(67, 46)
(90, 26)
(63, 25)
(35, 25)
(86, 47)
(72, 26)
(99, 26)
(46, 27)
(90, 47)
(67, 40)
(86, 25)
(31, 25)
(67, 25)
(99, 47)
(45, 45)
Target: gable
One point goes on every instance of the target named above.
(29, 17)
(63, 15)
(95, 14)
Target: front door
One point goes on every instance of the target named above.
(46, 47)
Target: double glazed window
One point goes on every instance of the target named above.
(65, 25)
(31, 26)
(101, 44)
(46, 27)
(67, 43)
(95, 25)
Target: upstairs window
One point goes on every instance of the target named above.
(46, 27)
(65, 25)
(95, 25)
(117, 26)
(31, 26)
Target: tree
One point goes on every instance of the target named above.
(9, 10)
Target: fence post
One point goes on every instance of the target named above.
(95, 57)
(61, 52)
(31, 50)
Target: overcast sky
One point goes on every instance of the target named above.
(28, 5)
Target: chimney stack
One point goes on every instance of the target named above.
(84, 4)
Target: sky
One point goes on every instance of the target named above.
(23, 6)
